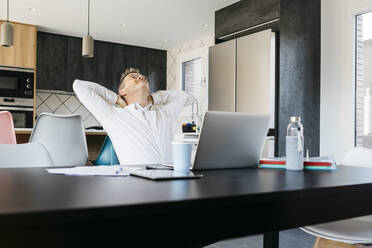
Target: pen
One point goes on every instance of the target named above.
(119, 170)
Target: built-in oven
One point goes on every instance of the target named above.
(16, 82)
(22, 116)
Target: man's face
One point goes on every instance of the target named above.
(134, 82)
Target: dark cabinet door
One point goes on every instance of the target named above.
(52, 62)
(60, 62)
(104, 59)
(244, 14)
(154, 61)
(119, 63)
(74, 62)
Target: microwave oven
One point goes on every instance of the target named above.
(16, 82)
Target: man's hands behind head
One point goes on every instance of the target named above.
(121, 101)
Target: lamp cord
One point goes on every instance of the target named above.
(7, 13)
(88, 14)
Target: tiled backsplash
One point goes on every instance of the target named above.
(63, 104)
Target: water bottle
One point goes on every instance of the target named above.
(295, 145)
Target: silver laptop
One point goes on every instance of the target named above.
(230, 140)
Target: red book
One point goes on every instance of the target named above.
(316, 161)
(272, 162)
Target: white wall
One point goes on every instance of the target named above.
(368, 62)
(337, 75)
(367, 78)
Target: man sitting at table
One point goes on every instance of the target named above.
(139, 124)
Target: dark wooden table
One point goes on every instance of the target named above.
(45, 210)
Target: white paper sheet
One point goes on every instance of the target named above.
(113, 170)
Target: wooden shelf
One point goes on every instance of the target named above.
(95, 133)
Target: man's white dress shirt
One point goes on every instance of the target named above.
(139, 135)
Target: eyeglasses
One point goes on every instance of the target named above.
(137, 76)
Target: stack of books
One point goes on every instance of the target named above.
(313, 163)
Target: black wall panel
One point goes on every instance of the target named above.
(59, 63)
(299, 84)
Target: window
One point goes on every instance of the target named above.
(363, 77)
(191, 76)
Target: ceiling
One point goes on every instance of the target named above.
(150, 23)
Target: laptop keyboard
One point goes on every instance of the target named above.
(164, 174)
(155, 173)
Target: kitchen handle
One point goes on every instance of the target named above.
(20, 69)
(16, 108)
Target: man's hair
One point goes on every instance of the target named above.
(126, 73)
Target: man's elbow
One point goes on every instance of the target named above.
(75, 85)
(78, 86)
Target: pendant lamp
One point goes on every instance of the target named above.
(88, 41)
(7, 31)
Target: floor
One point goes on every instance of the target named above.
(293, 238)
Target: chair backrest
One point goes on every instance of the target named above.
(107, 155)
(24, 155)
(7, 133)
(358, 156)
(64, 138)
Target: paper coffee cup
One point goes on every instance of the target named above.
(181, 156)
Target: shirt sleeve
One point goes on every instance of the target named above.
(172, 101)
(96, 98)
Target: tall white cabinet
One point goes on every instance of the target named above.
(242, 77)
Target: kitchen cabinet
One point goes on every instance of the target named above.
(49, 71)
(60, 63)
(298, 57)
(245, 14)
(222, 87)
(242, 75)
(255, 74)
(23, 52)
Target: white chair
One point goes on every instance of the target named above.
(64, 138)
(24, 155)
(350, 232)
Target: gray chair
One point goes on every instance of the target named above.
(64, 138)
(350, 232)
(24, 155)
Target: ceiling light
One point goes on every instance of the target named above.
(165, 41)
(32, 9)
(123, 25)
(7, 31)
(205, 25)
(88, 41)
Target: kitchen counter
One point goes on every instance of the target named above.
(87, 132)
